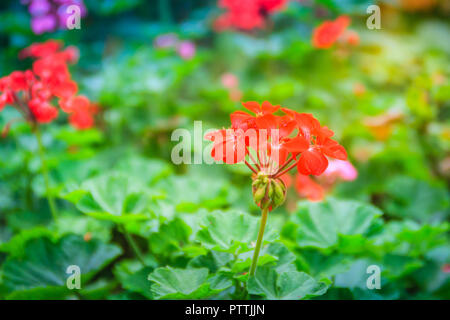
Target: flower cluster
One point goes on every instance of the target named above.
(32, 92)
(246, 15)
(329, 32)
(49, 15)
(272, 144)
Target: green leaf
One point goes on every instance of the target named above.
(213, 260)
(15, 247)
(98, 289)
(170, 237)
(321, 224)
(286, 285)
(84, 225)
(415, 199)
(41, 272)
(231, 231)
(154, 170)
(194, 191)
(114, 196)
(411, 238)
(134, 277)
(172, 283)
(275, 254)
(324, 266)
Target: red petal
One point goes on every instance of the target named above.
(286, 126)
(333, 149)
(307, 124)
(18, 81)
(78, 103)
(42, 110)
(268, 121)
(268, 108)
(239, 120)
(297, 144)
(289, 112)
(252, 106)
(81, 119)
(312, 162)
(66, 89)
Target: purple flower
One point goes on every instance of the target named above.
(43, 24)
(39, 7)
(168, 40)
(48, 15)
(186, 50)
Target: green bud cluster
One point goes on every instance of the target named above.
(268, 192)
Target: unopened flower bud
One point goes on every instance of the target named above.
(258, 194)
(268, 192)
(279, 192)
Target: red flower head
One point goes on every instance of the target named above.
(246, 15)
(326, 34)
(272, 5)
(32, 91)
(271, 145)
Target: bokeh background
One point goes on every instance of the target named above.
(154, 66)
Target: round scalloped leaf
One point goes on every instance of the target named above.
(321, 224)
(173, 283)
(41, 272)
(286, 285)
(113, 196)
(231, 230)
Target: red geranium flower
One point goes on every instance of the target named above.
(32, 91)
(326, 34)
(271, 145)
(246, 15)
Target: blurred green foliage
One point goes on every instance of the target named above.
(196, 224)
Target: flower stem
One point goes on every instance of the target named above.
(279, 174)
(133, 245)
(259, 241)
(51, 200)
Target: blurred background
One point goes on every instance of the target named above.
(154, 66)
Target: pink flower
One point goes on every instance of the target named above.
(229, 80)
(342, 169)
(186, 50)
(446, 268)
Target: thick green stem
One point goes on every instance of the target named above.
(259, 241)
(51, 200)
(133, 245)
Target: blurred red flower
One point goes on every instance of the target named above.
(327, 33)
(246, 15)
(31, 92)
